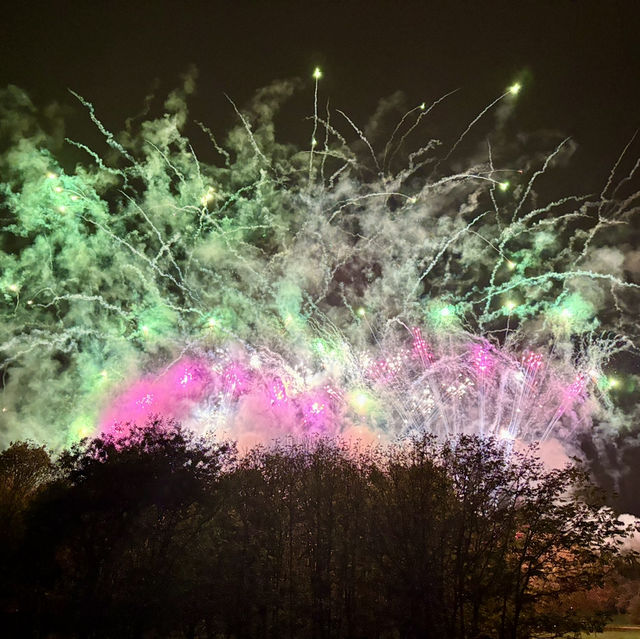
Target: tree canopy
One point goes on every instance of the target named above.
(162, 534)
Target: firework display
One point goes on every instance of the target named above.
(366, 285)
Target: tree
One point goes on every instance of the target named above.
(525, 537)
(109, 542)
(25, 469)
(161, 534)
(476, 538)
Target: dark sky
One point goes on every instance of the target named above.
(581, 59)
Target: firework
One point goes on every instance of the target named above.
(277, 290)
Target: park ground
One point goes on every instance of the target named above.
(619, 628)
(615, 634)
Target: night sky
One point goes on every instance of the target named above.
(578, 60)
(579, 64)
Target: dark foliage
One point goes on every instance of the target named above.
(160, 534)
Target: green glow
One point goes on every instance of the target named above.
(361, 312)
(220, 321)
(515, 88)
(80, 428)
(573, 314)
(317, 73)
(330, 352)
(504, 186)
(441, 315)
(156, 322)
(361, 401)
(606, 382)
(320, 346)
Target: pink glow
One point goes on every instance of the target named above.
(167, 396)
(420, 348)
(236, 379)
(531, 360)
(188, 378)
(483, 361)
(386, 370)
(381, 371)
(575, 391)
(277, 392)
(316, 412)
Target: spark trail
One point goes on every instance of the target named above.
(258, 298)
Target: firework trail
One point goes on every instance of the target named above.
(341, 288)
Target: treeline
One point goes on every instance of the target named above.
(161, 534)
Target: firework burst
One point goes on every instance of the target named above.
(275, 290)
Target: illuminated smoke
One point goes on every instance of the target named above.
(276, 290)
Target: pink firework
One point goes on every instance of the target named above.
(236, 379)
(277, 392)
(576, 390)
(189, 378)
(316, 412)
(420, 348)
(170, 395)
(381, 371)
(483, 360)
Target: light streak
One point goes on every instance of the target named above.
(257, 292)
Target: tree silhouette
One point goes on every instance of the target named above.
(159, 533)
